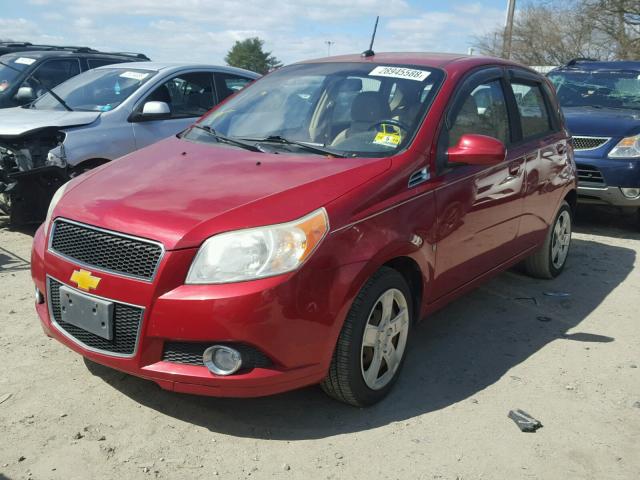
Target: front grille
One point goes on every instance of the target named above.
(589, 176)
(190, 353)
(126, 325)
(589, 143)
(106, 250)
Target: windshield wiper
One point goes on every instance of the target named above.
(229, 140)
(48, 90)
(319, 149)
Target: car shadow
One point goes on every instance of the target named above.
(608, 221)
(11, 262)
(27, 229)
(454, 354)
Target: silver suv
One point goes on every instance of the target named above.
(98, 116)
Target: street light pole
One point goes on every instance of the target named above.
(508, 30)
(329, 43)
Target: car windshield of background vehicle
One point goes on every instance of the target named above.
(353, 109)
(11, 71)
(98, 90)
(606, 89)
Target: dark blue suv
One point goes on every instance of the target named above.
(601, 103)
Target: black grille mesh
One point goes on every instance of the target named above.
(588, 143)
(106, 250)
(126, 323)
(190, 353)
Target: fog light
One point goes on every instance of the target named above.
(39, 296)
(222, 360)
(631, 192)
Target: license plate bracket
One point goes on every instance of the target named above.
(87, 312)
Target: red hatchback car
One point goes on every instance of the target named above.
(295, 234)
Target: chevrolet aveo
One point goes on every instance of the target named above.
(295, 234)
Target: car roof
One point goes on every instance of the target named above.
(175, 66)
(39, 54)
(445, 61)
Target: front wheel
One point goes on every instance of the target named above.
(372, 344)
(549, 261)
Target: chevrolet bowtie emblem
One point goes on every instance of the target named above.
(85, 280)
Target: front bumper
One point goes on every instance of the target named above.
(600, 179)
(292, 319)
(612, 196)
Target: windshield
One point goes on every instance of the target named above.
(11, 71)
(97, 90)
(353, 109)
(611, 89)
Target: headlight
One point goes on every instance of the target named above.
(258, 252)
(628, 147)
(54, 201)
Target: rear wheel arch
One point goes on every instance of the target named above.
(572, 199)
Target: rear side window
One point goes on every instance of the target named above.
(534, 115)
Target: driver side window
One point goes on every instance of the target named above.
(482, 112)
(188, 95)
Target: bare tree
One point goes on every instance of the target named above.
(553, 32)
(619, 21)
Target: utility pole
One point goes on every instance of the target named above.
(508, 30)
(329, 43)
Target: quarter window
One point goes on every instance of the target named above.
(534, 116)
(482, 112)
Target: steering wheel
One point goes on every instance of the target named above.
(391, 121)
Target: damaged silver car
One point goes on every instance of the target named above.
(96, 117)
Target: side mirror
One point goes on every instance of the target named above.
(152, 111)
(475, 149)
(25, 94)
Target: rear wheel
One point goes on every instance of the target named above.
(549, 261)
(372, 344)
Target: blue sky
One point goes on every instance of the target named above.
(204, 30)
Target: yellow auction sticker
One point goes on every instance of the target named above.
(387, 139)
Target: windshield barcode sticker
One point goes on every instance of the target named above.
(134, 75)
(25, 60)
(400, 72)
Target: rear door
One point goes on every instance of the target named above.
(189, 96)
(478, 207)
(540, 138)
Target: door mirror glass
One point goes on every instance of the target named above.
(473, 149)
(25, 94)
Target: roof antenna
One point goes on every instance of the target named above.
(370, 52)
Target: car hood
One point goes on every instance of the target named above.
(602, 122)
(18, 121)
(180, 192)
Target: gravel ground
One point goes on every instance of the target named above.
(571, 362)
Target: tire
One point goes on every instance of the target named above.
(359, 373)
(551, 258)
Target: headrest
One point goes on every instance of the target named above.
(369, 107)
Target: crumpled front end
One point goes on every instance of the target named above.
(32, 167)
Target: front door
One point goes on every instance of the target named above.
(189, 96)
(478, 207)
